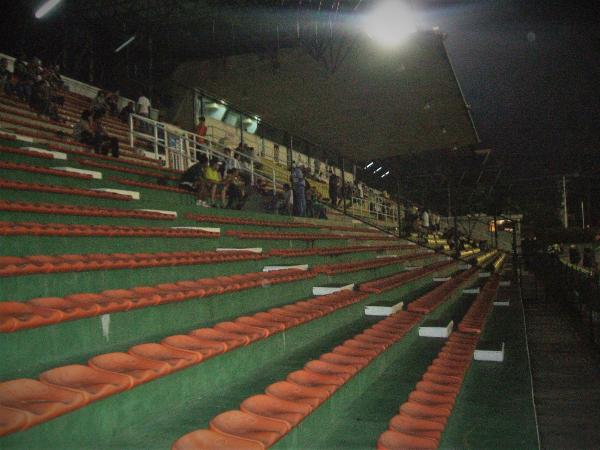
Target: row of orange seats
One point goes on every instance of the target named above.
(57, 189)
(422, 418)
(392, 282)
(336, 268)
(246, 221)
(432, 299)
(159, 187)
(7, 165)
(28, 265)
(80, 210)
(264, 419)
(63, 229)
(301, 236)
(475, 318)
(334, 251)
(22, 151)
(27, 402)
(131, 170)
(39, 312)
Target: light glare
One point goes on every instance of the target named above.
(391, 23)
(48, 6)
(125, 44)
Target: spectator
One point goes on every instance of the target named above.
(334, 185)
(309, 194)
(574, 255)
(126, 112)
(589, 259)
(82, 131)
(286, 203)
(54, 78)
(143, 106)
(42, 100)
(5, 77)
(298, 185)
(98, 104)
(276, 153)
(201, 130)
(425, 220)
(23, 79)
(193, 180)
(233, 190)
(112, 103)
(103, 142)
(213, 180)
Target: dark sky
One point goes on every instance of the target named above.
(531, 72)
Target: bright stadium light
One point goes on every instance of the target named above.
(369, 165)
(378, 169)
(385, 174)
(125, 44)
(46, 7)
(390, 23)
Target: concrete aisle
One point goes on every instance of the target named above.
(566, 373)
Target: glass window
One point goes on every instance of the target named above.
(232, 118)
(250, 124)
(213, 109)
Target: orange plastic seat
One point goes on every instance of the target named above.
(18, 315)
(140, 370)
(71, 310)
(355, 351)
(431, 399)
(271, 325)
(373, 340)
(330, 383)
(287, 320)
(396, 440)
(337, 358)
(211, 440)
(361, 344)
(229, 340)
(39, 402)
(447, 371)
(438, 414)
(293, 392)
(201, 347)
(93, 384)
(176, 358)
(253, 428)
(411, 425)
(329, 368)
(252, 332)
(11, 420)
(275, 408)
(442, 379)
(436, 388)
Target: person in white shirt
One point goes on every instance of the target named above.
(425, 220)
(143, 106)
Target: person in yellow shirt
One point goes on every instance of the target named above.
(212, 177)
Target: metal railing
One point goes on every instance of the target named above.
(375, 208)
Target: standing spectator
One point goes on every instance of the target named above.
(201, 130)
(143, 106)
(309, 195)
(286, 205)
(334, 185)
(425, 220)
(212, 177)
(298, 185)
(126, 112)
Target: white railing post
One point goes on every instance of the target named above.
(274, 182)
(252, 171)
(155, 132)
(131, 138)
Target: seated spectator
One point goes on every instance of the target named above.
(99, 103)
(233, 193)
(126, 112)
(23, 79)
(5, 77)
(212, 178)
(82, 131)
(41, 99)
(54, 78)
(103, 141)
(193, 180)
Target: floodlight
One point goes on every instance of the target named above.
(385, 174)
(125, 44)
(46, 7)
(390, 23)
(378, 169)
(369, 165)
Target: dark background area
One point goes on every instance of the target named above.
(528, 69)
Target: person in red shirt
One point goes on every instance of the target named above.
(201, 129)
